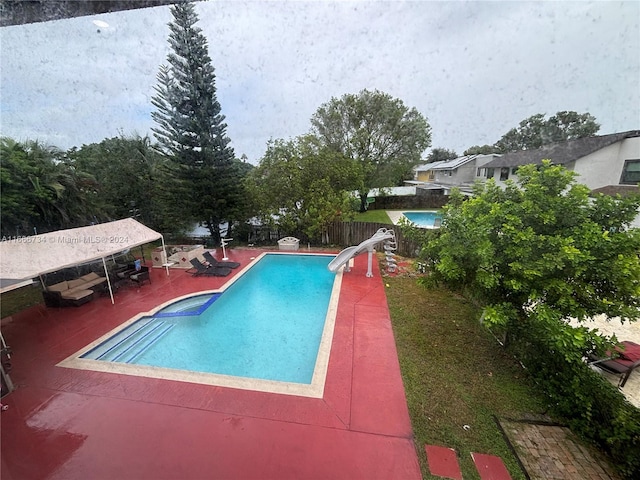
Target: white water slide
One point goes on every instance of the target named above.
(367, 246)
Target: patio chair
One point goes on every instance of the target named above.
(199, 269)
(131, 273)
(622, 361)
(141, 273)
(216, 263)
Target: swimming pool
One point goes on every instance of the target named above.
(424, 219)
(270, 329)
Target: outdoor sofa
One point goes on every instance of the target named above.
(73, 292)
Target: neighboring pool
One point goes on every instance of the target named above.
(423, 219)
(269, 330)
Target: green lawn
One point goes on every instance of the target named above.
(374, 216)
(455, 374)
(20, 299)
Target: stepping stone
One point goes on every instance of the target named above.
(443, 462)
(490, 467)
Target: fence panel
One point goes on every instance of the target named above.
(353, 233)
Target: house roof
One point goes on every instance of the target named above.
(429, 166)
(560, 153)
(622, 190)
(446, 164)
(455, 163)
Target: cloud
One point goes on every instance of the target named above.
(473, 69)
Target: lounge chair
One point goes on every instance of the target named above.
(199, 269)
(215, 263)
(621, 362)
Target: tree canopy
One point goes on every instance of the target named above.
(384, 137)
(440, 154)
(536, 131)
(301, 187)
(42, 191)
(191, 130)
(480, 150)
(540, 252)
(129, 173)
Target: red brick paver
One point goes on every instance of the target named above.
(443, 462)
(490, 467)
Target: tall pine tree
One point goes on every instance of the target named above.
(191, 128)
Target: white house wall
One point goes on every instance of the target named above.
(604, 167)
(598, 169)
(446, 177)
(500, 183)
(459, 176)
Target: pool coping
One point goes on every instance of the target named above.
(315, 389)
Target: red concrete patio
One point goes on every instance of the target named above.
(67, 424)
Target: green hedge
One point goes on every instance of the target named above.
(590, 405)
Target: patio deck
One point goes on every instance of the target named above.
(66, 424)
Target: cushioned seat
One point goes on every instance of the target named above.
(70, 292)
(92, 279)
(77, 294)
(624, 360)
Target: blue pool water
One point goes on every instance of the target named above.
(422, 219)
(267, 325)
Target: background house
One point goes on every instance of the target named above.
(604, 161)
(425, 173)
(608, 164)
(460, 172)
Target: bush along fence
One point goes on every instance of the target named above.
(345, 234)
(422, 199)
(591, 406)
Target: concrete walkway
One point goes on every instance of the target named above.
(66, 424)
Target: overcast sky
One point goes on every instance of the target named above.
(473, 69)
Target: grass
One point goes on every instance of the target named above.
(455, 374)
(20, 299)
(374, 216)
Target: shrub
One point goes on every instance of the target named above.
(590, 405)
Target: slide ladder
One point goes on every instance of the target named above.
(367, 246)
(390, 246)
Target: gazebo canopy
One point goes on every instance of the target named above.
(30, 257)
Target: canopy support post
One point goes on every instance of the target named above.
(164, 250)
(106, 272)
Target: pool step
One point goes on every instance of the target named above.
(142, 347)
(132, 346)
(130, 335)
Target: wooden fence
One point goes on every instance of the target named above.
(352, 233)
(342, 234)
